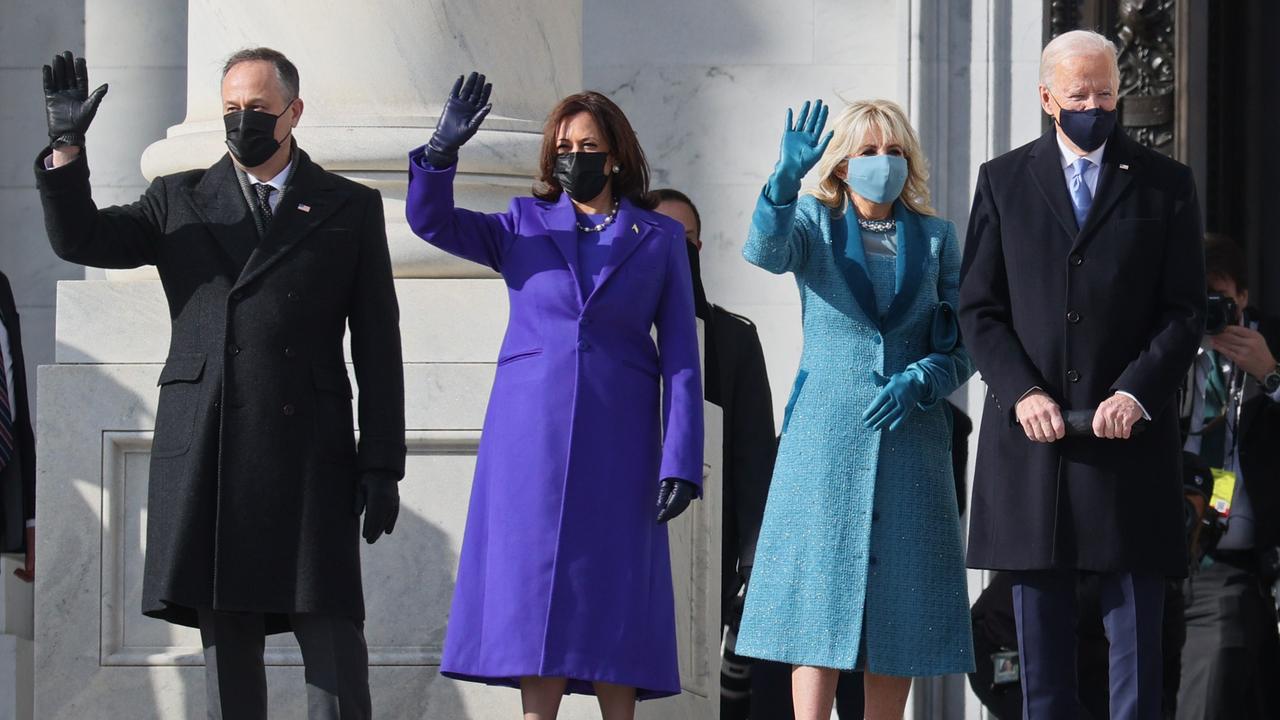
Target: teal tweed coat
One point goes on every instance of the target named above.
(859, 563)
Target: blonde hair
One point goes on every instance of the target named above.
(851, 128)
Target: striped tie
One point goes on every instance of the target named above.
(6, 418)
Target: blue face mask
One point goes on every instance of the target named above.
(1088, 129)
(878, 178)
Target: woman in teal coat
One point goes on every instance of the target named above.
(859, 563)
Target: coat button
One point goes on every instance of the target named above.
(877, 339)
(287, 409)
(289, 352)
(583, 345)
(217, 404)
(1073, 376)
(1077, 259)
(233, 349)
(292, 296)
(1073, 316)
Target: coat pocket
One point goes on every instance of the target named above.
(801, 376)
(517, 356)
(334, 423)
(180, 395)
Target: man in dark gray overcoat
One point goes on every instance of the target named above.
(257, 483)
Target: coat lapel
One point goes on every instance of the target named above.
(310, 199)
(1046, 174)
(851, 260)
(631, 233)
(912, 251)
(220, 204)
(1119, 163)
(562, 225)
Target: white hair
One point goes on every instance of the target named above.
(1076, 43)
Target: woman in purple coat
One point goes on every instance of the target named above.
(564, 584)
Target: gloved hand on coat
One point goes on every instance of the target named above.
(915, 387)
(674, 495)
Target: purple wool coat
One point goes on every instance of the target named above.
(564, 570)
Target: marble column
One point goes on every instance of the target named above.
(373, 77)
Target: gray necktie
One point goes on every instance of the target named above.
(1081, 198)
(264, 203)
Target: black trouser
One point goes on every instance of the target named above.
(334, 654)
(1229, 667)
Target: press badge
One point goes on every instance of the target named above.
(1004, 667)
(1224, 488)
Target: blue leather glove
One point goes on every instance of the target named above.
(899, 395)
(802, 147)
(466, 108)
(674, 496)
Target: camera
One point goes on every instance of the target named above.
(1220, 313)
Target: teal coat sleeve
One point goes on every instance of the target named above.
(780, 237)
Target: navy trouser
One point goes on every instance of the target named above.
(1044, 607)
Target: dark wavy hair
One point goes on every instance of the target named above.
(632, 179)
(661, 195)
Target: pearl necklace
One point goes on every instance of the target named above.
(877, 226)
(608, 220)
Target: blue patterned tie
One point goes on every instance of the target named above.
(1081, 198)
(7, 441)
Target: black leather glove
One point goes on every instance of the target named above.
(67, 100)
(466, 108)
(378, 497)
(674, 496)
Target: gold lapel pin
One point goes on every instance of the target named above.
(635, 229)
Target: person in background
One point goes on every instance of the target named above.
(737, 380)
(859, 564)
(17, 442)
(1082, 300)
(1232, 410)
(594, 434)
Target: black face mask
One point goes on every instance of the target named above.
(700, 306)
(1088, 129)
(581, 174)
(251, 135)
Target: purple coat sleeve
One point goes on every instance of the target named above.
(681, 370)
(429, 207)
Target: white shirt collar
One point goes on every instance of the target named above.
(1069, 156)
(276, 182)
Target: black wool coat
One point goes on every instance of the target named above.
(737, 381)
(254, 464)
(18, 479)
(1081, 313)
(1260, 450)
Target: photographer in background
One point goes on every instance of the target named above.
(1231, 410)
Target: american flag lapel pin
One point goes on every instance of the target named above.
(1123, 166)
(303, 207)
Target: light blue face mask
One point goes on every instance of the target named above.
(878, 178)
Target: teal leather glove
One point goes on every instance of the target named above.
(899, 396)
(802, 147)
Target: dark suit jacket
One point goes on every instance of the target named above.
(1081, 313)
(254, 465)
(18, 479)
(1260, 452)
(738, 382)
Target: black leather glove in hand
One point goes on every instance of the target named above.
(67, 100)
(378, 497)
(463, 112)
(674, 495)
